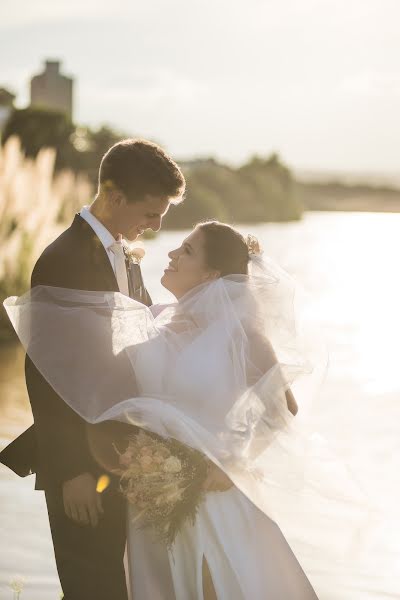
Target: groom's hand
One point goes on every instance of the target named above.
(216, 480)
(82, 503)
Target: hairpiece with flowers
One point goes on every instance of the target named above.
(253, 246)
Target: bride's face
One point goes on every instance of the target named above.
(187, 267)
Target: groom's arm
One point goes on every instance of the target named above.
(61, 433)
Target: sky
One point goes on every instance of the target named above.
(317, 81)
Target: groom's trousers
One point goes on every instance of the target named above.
(90, 559)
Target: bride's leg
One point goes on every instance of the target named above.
(208, 585)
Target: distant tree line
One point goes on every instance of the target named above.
(78, 148)
(261, 190)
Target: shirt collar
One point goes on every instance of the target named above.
(106, 238)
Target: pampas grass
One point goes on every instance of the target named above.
(35, 206)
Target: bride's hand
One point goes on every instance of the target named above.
(82, 503)
(216, 480)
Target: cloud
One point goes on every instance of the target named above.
(19, 13)
(221, 77)
(372, 84)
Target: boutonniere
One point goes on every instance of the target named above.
(134, 255)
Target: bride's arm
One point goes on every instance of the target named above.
(263, 358)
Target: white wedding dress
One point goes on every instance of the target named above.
(246, 553)
(211, 371)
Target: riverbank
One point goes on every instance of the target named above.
(340, 196)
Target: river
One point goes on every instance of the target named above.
(348, 264)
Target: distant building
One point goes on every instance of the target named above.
(6, 106)
(52, 90)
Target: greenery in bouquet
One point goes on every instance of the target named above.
(163, 479)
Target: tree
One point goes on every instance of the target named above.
(38, 128)
(200, 203)
(273, 187)
(260, 191)
(92, 144)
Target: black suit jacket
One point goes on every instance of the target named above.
(56, 446)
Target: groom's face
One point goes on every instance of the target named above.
(131, 219)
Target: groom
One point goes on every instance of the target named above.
(137, 183)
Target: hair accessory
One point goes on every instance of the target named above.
(253, 245)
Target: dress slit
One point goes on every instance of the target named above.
(208, 589)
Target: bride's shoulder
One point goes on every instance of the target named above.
(157, 309)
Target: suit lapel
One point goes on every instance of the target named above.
(96, 254)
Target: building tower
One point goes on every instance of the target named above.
(6, 106)
(52, 90)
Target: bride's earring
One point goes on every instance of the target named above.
(211, 275)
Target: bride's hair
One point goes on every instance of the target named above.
(226, 250)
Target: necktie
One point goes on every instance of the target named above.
(138, 291)
(120, 269)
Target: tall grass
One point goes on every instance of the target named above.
(35, 205)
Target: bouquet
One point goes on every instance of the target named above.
(163, 479)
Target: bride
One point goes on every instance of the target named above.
(227, 369)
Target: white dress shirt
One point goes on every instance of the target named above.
(106, 238)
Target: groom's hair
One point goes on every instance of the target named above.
(139, 167)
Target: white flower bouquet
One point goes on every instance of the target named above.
(163, 479)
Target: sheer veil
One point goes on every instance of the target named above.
(214, 371)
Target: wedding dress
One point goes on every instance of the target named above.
(245, 551)
(212, 371)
